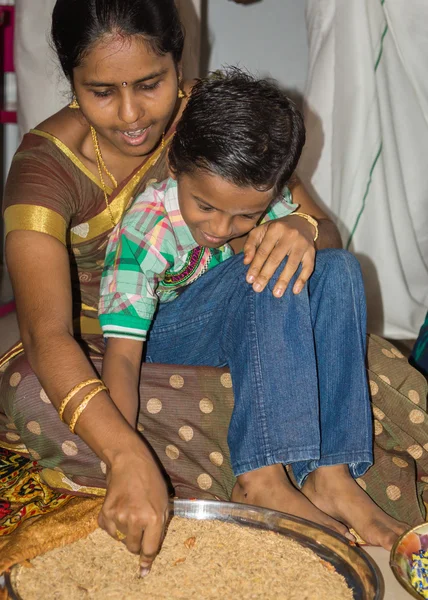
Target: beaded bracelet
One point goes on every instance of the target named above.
(77, 413)
(310, 220)
(72, 393)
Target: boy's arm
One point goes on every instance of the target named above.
(134, 265)
(121, 374)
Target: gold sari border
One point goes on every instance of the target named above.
(69, 154)
(87, 307)
(17, 349)
(28, 217)
(101, 223)
(18, 448)
(89, 326)
(57, 479)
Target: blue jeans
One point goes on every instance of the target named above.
(297, 362)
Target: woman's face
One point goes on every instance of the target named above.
(127, 92)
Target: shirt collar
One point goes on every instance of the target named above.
(182, 234)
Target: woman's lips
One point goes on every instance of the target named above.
(135, 137)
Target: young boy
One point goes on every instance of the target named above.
(175, 283)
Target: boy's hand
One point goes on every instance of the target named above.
(267, 246)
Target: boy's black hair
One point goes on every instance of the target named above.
(245, 130)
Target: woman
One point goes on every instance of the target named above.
(70, 183)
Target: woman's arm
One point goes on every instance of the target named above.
(329, 236)
(137, 499)
(268, 244)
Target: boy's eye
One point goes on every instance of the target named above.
(251, 217)
(204, 208)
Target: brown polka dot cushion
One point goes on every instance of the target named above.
(184, 415)
(185, 412)
(398, 479)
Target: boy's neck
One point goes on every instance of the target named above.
(237, 244)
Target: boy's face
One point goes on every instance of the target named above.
(217, 211)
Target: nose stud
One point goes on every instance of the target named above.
(124, 83)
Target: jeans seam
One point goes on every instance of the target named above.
(257, 373)
(258, 377)
(362, 343)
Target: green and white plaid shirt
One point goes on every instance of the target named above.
(152, 256)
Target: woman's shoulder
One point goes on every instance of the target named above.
(46, 172)
(68, 127)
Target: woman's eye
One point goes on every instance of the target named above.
(148, 87)
(102, 94)
(204, 208)
(251, 217)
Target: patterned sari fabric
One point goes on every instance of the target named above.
(24, 495)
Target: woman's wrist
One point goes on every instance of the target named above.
(104, 429)
(329, 236)
(120, 455)
(311, 220)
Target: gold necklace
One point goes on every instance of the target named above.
(102, 166)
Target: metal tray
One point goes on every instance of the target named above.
(357, 567)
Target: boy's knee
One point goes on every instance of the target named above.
(338, 262)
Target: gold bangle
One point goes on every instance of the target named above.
(83, 405)
(310, 220)
(72, 393)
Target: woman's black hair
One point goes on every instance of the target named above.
(243, 129)
(78, 24)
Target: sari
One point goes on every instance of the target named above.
(42, 465)
(184, 411)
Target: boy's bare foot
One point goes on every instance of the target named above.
(334, 491)
(270, 487)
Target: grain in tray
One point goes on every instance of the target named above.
(199, 559)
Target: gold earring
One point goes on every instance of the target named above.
(74, 104)
(181, 94)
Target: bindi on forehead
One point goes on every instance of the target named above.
(126, 60)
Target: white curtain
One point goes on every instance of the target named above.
(42, 89)
(367, 152)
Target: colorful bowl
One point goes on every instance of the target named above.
(401, 555)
